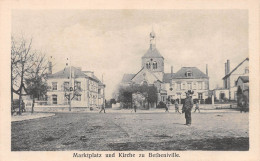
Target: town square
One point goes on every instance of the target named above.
(130, 80)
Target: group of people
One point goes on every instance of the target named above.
(187, 107)
(176, 104)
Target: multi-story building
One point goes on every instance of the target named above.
(188, 78)
(229, 90)
(85, 88)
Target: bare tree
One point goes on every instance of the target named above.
(21, 62)
(72, 90)
(36, 78)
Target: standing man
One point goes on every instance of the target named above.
(135, 108)
(177, 107)
(197, 107)
(187, 107)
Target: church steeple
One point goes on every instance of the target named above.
(152, 40)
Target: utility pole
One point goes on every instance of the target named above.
(104, 101)
(71, 89)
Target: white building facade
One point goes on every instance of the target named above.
(229, 90)
(85, 88)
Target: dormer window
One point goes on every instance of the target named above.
(154, 65)
(148, 65)
(188, 74)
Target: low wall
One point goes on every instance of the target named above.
(60, 109)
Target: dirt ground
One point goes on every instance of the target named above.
(132, 131)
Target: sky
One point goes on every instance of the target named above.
(112, 42)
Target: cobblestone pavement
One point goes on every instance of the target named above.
(132, 131)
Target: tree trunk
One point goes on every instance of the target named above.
(33, 104)
(12, 93)
(69, 102)
(12, 101)
(20, 102)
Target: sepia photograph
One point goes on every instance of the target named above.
(129, 80)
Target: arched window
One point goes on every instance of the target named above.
(148, 65)
(154, 65)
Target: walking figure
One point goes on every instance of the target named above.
(187, 107)
(135, 108)
(197, 107)
(102, 109)
(167, 107)
(177, 107)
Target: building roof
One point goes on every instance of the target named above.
(245, 79)
(152, 53)
(78, 73)
(65, 73)
(226, 76)
(167, 77)
(127, 78)
(196, 73)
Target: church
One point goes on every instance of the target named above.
(172, 85)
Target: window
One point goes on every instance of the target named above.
(148, 65)
(200, 96)
(77, 85)
(183, 87)
(78, 97)
(189, 85)
(178, 86)
(66, 86)
(246, 70)
(163, 98)
(54, 99)
(199, 85)
(188, 74)
(54, 86)
(154, 65)
(194, 85)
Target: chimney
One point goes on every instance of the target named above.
(225, 69)
(50, 67)
(228, 79)
(207, 70)
(171, 71)
(228, 66)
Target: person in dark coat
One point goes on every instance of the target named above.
(187, 107)
(135, 108)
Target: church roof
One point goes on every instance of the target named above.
(152, 53)
(127, 78)
(196, 73)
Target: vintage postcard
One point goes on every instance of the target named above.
(130, 80)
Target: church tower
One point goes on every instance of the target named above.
(152, 59)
